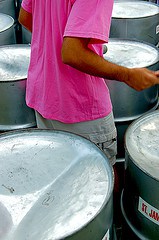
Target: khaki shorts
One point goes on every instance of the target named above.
(102, 132)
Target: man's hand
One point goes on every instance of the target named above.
(142, 78)
(75, 53)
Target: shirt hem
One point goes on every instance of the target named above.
(89, 35)
(73, 120)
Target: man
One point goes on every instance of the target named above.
(66, 75)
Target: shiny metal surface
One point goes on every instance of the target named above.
(130, 9)
(14, 61)
(6, 22)
(129, 53)
(7, 30)
(140, 197)
(142, 138)
(8, 7)
(26, 35)
(129, 230)
(135, 20)
(121, 130)
(129, 104)
(57, 183)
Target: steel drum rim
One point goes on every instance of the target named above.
(34, 130)
(134, 41)
(139, 167)
(10, 24)
(134, 230)
(131, 158)
(16, 47)
(16, 127)
(134, 117)
(110, 172)
(139, 2)
(13, 80)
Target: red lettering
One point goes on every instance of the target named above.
(144, 208)
(154, 215)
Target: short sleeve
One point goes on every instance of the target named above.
(90, 19)
(27, 5)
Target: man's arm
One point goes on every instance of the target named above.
(75, 52)
(25, 18)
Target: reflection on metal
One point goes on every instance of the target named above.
(14, 62)
(135, 20)
(62, 183)
(7, 30)
(129, 104)
(140, 196)
(8, 7)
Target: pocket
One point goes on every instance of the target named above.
(109, 148)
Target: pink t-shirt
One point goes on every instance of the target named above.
(58, 91)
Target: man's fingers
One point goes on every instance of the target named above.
(157, 73)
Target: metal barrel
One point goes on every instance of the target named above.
(135, 20)
(14, 113)
(23, 35)
(129, 104)
(26, 36)
(140, 205)
(7, 30)
(8, 7)
(55, 185)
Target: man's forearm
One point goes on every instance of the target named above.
(75, 53)
(85, 60)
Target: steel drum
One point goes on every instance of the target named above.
(129, 104)
(8, 7)
(54, 185)
(140, 199)
(26, 36)
(23, 35)
(137, 20)
(14, 113)
(7, 30)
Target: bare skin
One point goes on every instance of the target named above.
(75, 53)
(25, 18)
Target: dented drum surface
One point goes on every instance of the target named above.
(140, 200)
(135, 20)
(14, 113)
(54, 185)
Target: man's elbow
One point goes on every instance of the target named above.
(64, 57)
(70, 51)
(67, 56)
